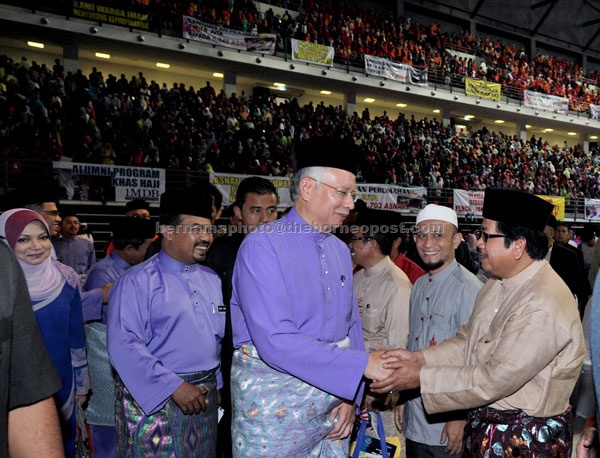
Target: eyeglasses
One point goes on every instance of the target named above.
(487, 236)
(53, 213)
(354, 238)
(343, 193)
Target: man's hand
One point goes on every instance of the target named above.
(403, 355)
(105, 291)
(344, 423)
(375, 370)
(189, 398)
(406, 375)
(587, 446)
(454, 432)
(399, 417)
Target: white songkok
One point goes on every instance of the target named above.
(439, 213)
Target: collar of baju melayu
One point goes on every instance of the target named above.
(524, 276)
(382, 265)
(174, 265)
(442, 275)
(293, 223)
(119, 261)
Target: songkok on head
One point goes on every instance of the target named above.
(132, 228)
(439, 213)
(186, 202)
(552, 222)
(136, 204)
(327, 152)
(520, 208)
(380, 218)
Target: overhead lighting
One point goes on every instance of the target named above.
(35, 44)
(102, 55)
(368, 100)
(593, 137)
(571, 133)
(218, 75)
(324, 92)
(436, 110)
(279, 84)
(161, 65)
(499, 121)
(469, 117)
(460, 126)
(401, 105)
(527, 126)
(548, 130)
(281, 88)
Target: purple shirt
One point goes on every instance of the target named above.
(164, 319)
(292, 297)
(77, 253)
(105, 271)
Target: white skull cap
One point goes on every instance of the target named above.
(438, 212)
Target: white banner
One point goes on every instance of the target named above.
(592, 209)
(312, 52)
(194, 29)
(404, 73)
(109, 182)
(390, 197)
(595, 111)
(546, 102)
(227, 184)
(468, 202)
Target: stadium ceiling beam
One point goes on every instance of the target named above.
(592, 39)
(477, 8)
(545, 15)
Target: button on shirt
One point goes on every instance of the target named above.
(164, 319)
(439, 305)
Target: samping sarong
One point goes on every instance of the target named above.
(167, 433)
(278, 415)
(507, 433)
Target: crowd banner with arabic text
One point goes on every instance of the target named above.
(312, 53)
(559, 206)
(96, 11)
(404, 73)
(468, 202)
(546, 102)
(485, 89)
(106, 183)
(195, 29)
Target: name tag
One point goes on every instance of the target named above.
(222, 308)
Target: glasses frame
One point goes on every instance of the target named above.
(343, 193)
(487, 236)
(354, 238)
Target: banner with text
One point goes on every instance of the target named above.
(546, 102)
(559, 206)
(595, 111)
(109, 15)
(194, 29)
(390, 197)
(468, 202)
(404, 73)
(592, 209)
(227, 184)
(312, 52)
(109, 182)
(483, 89)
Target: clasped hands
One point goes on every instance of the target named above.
(394, 370)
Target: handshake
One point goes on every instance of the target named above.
(394, 370)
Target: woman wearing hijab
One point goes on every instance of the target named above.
(54, 292)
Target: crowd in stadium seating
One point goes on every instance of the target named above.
(131, 121)
(354, 32)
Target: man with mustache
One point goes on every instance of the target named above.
(297, 371)
(166, 320)
(516, 361)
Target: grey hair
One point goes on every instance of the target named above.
(318, 173)
(38, 207)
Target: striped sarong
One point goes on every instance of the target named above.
(168, 432)
(504, 433)
(278, 415)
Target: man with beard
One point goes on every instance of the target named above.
(440, 302)
(166, 320)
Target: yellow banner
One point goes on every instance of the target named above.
(483, 89)
(559, 206)
(109, 15)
